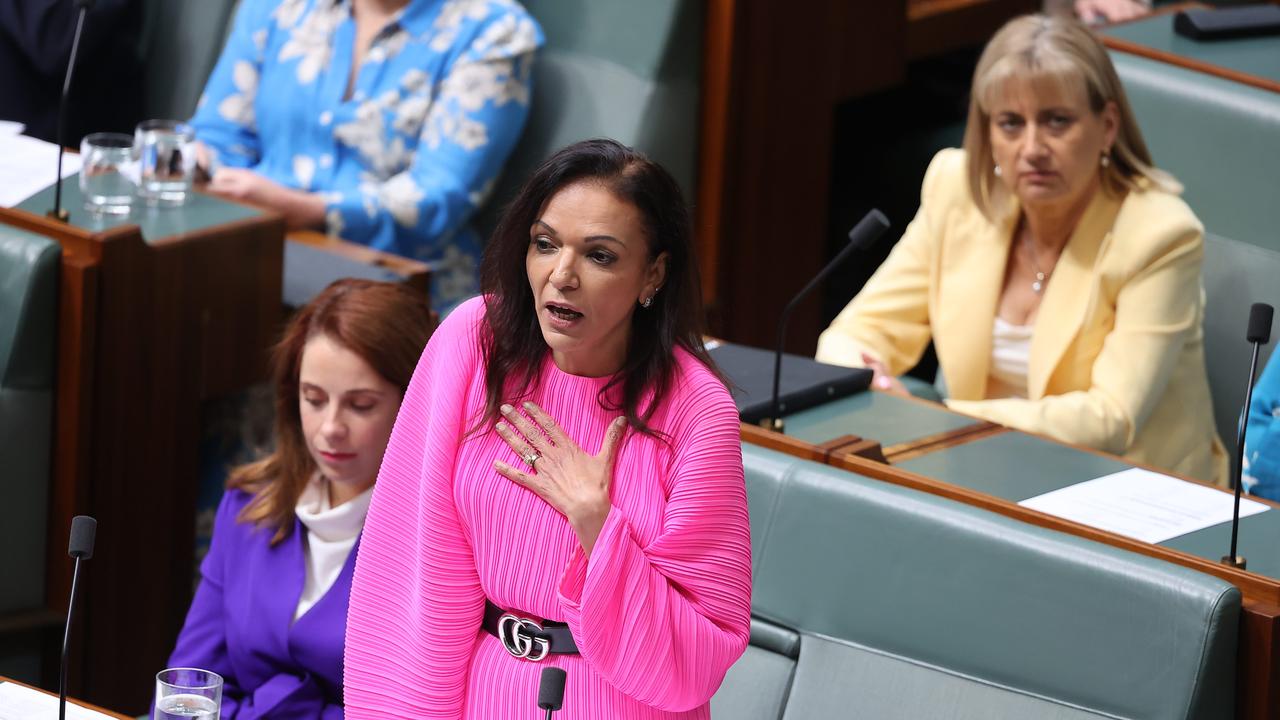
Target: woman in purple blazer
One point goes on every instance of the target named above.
(271, 611)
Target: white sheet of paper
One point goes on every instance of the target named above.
(28, 165)
(22, 703)
(1142, 504)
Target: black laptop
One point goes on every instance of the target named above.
(805, 382)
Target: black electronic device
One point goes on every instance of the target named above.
(804, 382)
(1228, 23)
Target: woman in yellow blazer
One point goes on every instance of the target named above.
(1055, 269)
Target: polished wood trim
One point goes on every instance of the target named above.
(1189, 63)
(70, 701)
(73, 409)
(862, 447)
(757, 435)
(716, 78)
(942, 441)
(415, 273)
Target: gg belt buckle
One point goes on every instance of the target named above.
(519, 637)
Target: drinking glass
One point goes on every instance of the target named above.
(107, 181)
(188, 693)
(167, 158)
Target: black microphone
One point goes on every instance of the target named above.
(867, 231)
(58, 212)
(1259, 334)
(83, 528)
(551, 690)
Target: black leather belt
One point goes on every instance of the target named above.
(527, 638)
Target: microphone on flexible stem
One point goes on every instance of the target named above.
(551, 690)
(83, 528)
(58, 212)
(868, 230)
(1259, 334)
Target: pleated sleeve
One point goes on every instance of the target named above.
(416, 600)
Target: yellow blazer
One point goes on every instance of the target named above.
(1117, 358)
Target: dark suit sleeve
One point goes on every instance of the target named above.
(203, 640)
(42, 30)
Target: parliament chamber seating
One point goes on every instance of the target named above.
(29, 266)
(623, 70)
(874, 600)
(1221, 139)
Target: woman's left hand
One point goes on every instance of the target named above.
(883, 380)
(567, 477)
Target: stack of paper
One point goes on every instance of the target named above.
(23, 703)
(1142, 504)
(28, 165)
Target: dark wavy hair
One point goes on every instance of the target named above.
(512, 342)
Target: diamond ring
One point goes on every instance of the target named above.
(530, 458)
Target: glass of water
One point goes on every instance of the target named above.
(107, 181)
(188, 693)
(167, 161)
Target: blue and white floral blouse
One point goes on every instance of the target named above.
(406, 158)
(1261, 470)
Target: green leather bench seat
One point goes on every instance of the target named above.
(907, 605)
(28, 332)
(1221, 139)
(29, 267)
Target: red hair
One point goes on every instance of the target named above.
(386, 324)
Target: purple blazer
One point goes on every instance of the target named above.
(240, 624)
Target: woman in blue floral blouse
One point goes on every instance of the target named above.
(1262, 443)
(383, 121)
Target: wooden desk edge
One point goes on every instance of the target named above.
(70, 701)
(408, 268)
(1133, 48)
(1252, 586)
(942, 441)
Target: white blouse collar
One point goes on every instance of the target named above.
(331, 524)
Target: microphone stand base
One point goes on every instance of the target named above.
(775, 424)
(61, 214)
(1236, 562)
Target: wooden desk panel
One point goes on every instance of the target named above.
(148, 332)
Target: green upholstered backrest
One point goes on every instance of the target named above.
(28, 334)
(181, 41)
(611, 68)
(909, 605)
(1221, 139)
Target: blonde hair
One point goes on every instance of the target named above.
(1062, 51)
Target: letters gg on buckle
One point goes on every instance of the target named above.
(521, 637)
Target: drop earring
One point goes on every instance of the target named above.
(1106, 158)
(997, 171)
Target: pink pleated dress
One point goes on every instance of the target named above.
(659, 613)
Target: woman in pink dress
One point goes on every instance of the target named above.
(564, 482)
